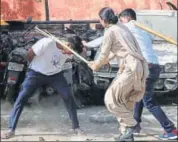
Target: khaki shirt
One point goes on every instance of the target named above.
(119, 42)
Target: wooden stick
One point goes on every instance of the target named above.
(61, 43)
(156, 33)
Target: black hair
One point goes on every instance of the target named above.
(128, 13)
(76, 43)
(107, 14)
(68, 31)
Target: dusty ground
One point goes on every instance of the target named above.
(49, 121)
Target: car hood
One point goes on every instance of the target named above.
(167, 53)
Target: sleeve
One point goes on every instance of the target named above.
(111, 55)
(39, 47)
(105, 48)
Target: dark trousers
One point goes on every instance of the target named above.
(61, 82)
(2, 85)
(149, 101)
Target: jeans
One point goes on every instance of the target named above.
(149, 101)
(61, 82)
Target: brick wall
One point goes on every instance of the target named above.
(72, 9)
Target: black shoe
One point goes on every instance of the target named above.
(78, 131)
(127, 136)
(137, 129)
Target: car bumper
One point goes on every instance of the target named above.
(167, 81)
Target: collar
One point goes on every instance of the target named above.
(110, 25)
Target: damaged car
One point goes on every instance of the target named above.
(167, 53)
(167, 81)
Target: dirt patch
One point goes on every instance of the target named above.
(49, 121)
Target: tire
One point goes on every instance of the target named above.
(49, 90)
(76, 97)
(97, 95)
(10, 92)
(1, 91)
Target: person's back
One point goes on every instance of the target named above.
(127, 17)
(124, 43)
(145, 42)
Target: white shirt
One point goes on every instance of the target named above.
(49, 60)
(145, 42)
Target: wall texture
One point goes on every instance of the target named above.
(72, 9)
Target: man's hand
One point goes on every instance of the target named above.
(66, 51)
(84, 43)
(93, 66)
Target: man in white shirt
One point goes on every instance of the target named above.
(128, 16)
(48, 66)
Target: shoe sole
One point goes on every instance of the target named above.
(136, 134)
(125, 140)
(171, 138)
